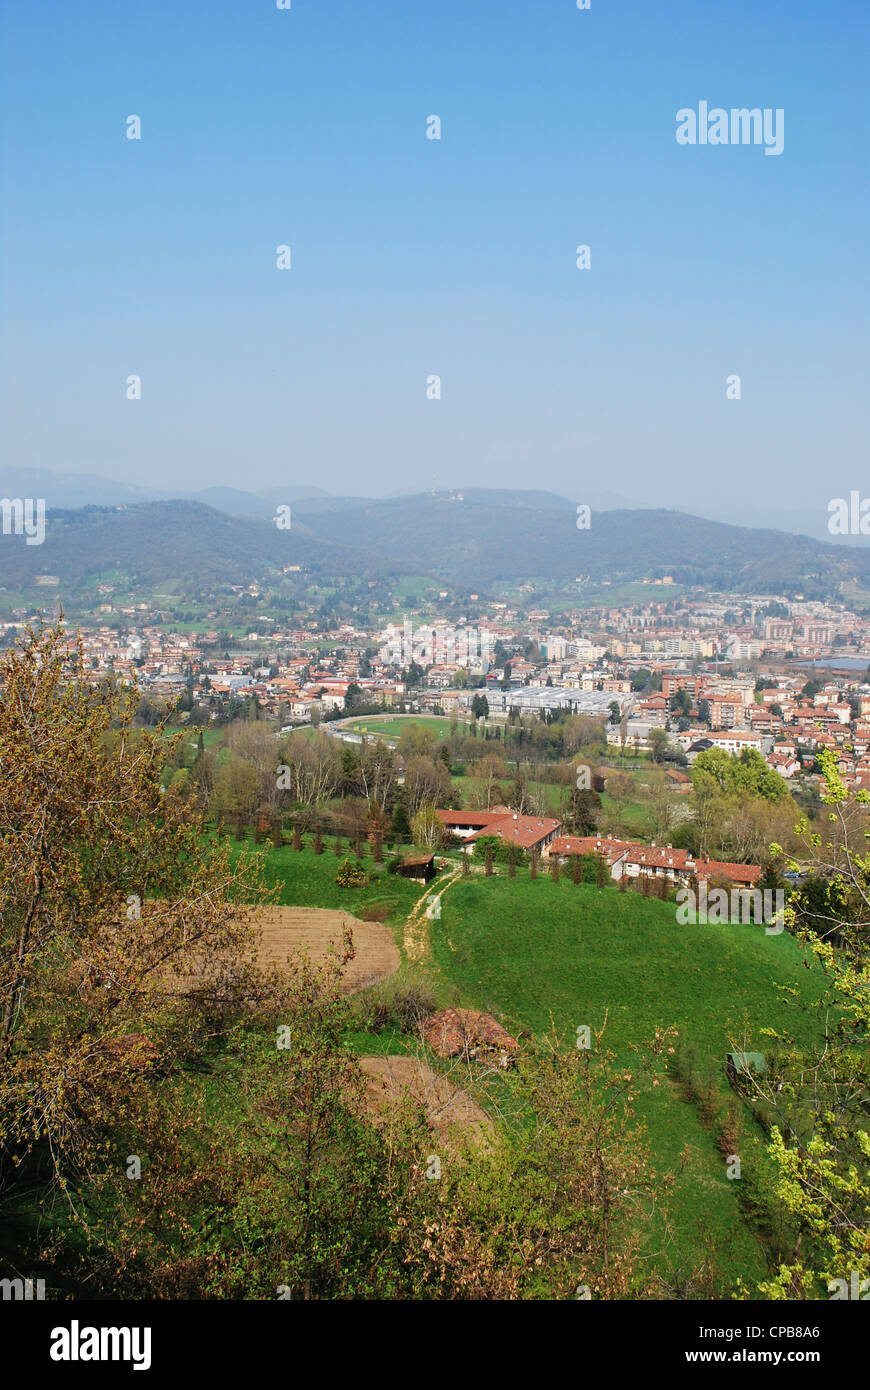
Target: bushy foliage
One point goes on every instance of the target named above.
(351, 875)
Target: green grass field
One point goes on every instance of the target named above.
(393, 726)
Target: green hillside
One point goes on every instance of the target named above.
(532, 952)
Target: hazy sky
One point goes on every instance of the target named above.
(410, 256)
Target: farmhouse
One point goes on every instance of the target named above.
(535, 834)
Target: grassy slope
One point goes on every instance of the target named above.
(306, 879)
(528, 950)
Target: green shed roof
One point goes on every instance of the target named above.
(744, 1060)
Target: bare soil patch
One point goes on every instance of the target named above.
(452, 1112)
(285, 929)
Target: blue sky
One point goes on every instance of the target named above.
(410, 257)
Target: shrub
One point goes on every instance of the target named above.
(394, 864)
(501, 852)
(350, 875)
(396, 1003)
(728, 1136)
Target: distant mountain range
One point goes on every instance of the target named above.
(471, 539)
(90, 490)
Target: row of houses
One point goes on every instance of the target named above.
(625, 858)
(630, 859)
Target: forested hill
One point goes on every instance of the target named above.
(475, 541)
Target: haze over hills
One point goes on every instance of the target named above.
(473, 543)
(67, 489)
(151, 542)
(91, 490)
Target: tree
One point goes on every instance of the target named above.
(820, 1103)
(313, 767)
(400, 824)
(414, 675)
(427, 830)
(425, 780)
(659, 744)
(108, 896)
(581, 811)
(487, 773)
(748, 774)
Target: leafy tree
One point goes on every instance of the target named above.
(820, 1103)
(400, 824)
(747, 774)
(659, 744)
(426, 828)
(581, 811)
(108, 895)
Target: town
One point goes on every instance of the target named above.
(783, 678)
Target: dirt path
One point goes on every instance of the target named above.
(416, 935)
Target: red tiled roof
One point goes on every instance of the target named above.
(655, 857)
(715, 868)
(589, 844)
(523, 831)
